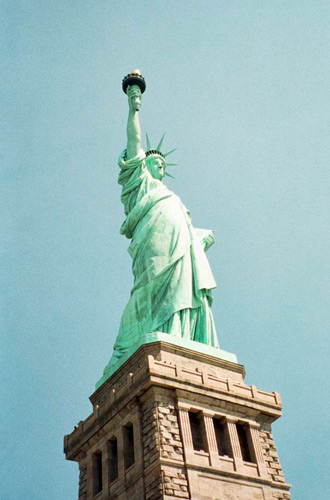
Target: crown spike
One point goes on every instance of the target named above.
(148, 142)
(172, 151)
(160, 143)
(169, 175)
(172, 164)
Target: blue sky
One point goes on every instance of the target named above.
(242, 89)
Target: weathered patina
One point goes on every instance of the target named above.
(173, 281)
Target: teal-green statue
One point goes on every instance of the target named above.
(173, 281)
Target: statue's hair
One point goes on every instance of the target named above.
(154, 152)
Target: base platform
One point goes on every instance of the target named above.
(170, 339)
(173, 423)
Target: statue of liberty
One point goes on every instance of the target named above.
(173, 281)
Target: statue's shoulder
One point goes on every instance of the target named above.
(128, 163)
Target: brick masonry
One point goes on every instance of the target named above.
(153, 485)
(170, 439)
(175, 483)
(273, 466)
(150, 435)
(82, 483)
(279, 495)
(161, 439)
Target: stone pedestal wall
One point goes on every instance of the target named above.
(173, 423)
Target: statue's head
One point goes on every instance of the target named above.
(156, 165)
(156, 161)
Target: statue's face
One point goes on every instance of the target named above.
(156, 166)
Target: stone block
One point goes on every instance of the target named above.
(181, 494)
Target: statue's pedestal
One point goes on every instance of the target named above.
(176, 423)
(148, 338)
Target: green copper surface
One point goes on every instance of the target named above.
(173, 281)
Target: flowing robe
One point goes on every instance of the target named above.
(172, 277)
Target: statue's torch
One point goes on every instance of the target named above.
(137, 86)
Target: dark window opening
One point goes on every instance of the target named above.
(129, 458)
(244, 443)
(113, 459)
(197, 431)
(222, 437)
(97, 472)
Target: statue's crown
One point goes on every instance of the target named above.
(154, 152)
(150, 151)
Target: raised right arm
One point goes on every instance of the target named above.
(133, 122)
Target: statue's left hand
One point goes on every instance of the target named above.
(208, 240)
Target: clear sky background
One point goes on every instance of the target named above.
(242, 89)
